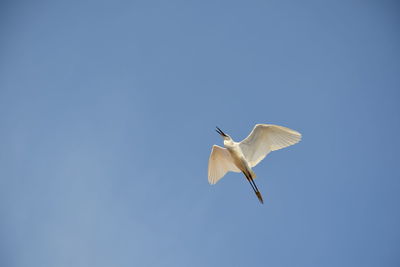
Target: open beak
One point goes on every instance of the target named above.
(218, 130)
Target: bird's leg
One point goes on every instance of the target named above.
(255, 189)
(252, 186)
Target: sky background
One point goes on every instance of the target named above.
(107, 117)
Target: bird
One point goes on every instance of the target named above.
(243, 156)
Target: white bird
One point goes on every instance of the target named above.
(242, 156)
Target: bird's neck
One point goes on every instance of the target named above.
(229, 143)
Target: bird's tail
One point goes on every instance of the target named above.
(250, 177)
(252, 174)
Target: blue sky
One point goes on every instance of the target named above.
(107, 116)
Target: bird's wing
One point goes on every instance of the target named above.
(266, 138)
(219, 163)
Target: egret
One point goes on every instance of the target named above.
(243, 156)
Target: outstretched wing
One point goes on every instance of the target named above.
(266, 138)
(219, 163)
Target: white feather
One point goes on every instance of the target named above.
(266, 138)
(219, 163)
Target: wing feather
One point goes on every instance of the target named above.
(219, 163)
(266, 138)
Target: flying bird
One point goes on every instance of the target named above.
(243, 156)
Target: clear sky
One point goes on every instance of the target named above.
(107, 117)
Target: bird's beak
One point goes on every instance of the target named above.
(220, 132)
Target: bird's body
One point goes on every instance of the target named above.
(238, 158)
(237, 155)
(242, 156)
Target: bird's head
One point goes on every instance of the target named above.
(223, 135)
